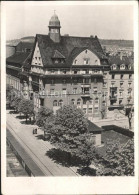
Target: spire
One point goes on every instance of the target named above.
(54, 28)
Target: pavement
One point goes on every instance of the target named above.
(37, 148)
(121, 122)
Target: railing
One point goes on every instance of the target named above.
(113, 97)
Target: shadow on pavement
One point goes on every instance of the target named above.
(26, 122)
(40, 136)
(20, 117)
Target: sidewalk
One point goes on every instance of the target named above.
(37, 148)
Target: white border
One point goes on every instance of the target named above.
(68, 185)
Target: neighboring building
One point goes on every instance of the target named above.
(120, 83)
(14, 65)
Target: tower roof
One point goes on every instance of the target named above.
(54, 21)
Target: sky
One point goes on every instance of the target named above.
(105, 21)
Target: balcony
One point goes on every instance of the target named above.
(112, 88)
(85, 94)
(85, 85)
(113, 98)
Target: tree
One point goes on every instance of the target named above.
(69, 132)
(42, 115)
(118, 160)
(26, 107)
(15, 103)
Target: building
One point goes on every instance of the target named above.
(57, 70)
(120, 84)
(68, 70)
(14, 65)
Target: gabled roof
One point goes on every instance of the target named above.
(66, 45)
(17, 58)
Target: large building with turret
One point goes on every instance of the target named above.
(63, 70)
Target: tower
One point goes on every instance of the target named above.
(54, 28)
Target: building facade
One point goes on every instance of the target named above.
(66, 70)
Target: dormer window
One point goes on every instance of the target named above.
(56, 61)
(114, 67)
(129, 67)
(122, 67)
(86, 61)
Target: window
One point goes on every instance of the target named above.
(95, 109)
(112, 76)
(95, 89)
(74, 90)
(121, 76)
(79, 102)
(87, 71)
(74, 82)
(120, 102)
(52, 92)
(121, 85)
(86, 81)
(84, 110)
(114, 67)
(91, 101)
(75, 61)
(60, 103)
(122, 67)
(90, 110)
(105, 74)
(64, 71)
(95, 71)
(75, 71)
(52, 82)
(130, 76)
(86, 61)
(56, 61)
(129, 85)
(73, 101)
(112, 84)
(55, 103)
(64, 81)
(64, 91)
(120, 93)
(96, 101)
(84, 101)
(129, 67)
(52, 71)
(104, 84)
(103, 103)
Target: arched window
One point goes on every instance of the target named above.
(55, 103)
(78, 102)
(73, 101)
(60, 103)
